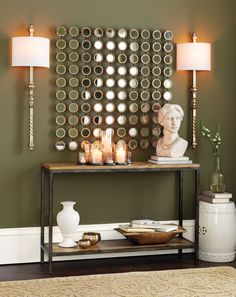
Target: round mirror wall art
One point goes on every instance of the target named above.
(110, 78)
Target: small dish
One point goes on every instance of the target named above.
(84, 243)
(93, 237)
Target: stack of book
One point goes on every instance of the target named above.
(211, 197)
(169, 160)
(147, 225)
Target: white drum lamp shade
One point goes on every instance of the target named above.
(30, 51)
(194, 56)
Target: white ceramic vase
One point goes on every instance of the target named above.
(217, 231)
(68, 221)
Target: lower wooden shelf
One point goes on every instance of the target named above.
(119, 245)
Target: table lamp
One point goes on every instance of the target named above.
(195, 56)
(31, 52)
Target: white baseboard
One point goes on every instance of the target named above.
(22, 245)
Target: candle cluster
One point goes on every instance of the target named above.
(104, 151)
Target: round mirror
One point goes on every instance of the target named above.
(60, 107)
(121, 132)
(73, 57)
(133, 59)
(98, 45)
(156, 59)
(85, 107)
(61, 44)
(133, 132)
(133, 107)
(145, 59)
(156, 107)
(98, 70)
(110, 95)
(145, 83)
(98, 32)
(61, 57)
(97, 120)
(98, 57)
(133, 119)
(110, 70)
(122, 58)
(156, 95)
(156, 71)
(86, 57)
(73, 120)
(97, 107)
(133, 83)
(145, 107)
(86, 95)
(73, 44)
(61, 31)
(98, 82)
(110, 45)
(145, 34)
(155, 118)
(134, 46)
(133, 95)
(121, 107)
(134, 34)
(145, 46)
(168, 35)
(145, 119)
(60, 120)
(110, 107)
(167, 83)
(85, 132)
(73, 94)
(145, 71)
(60, 133)
(60, 94)
(86, 82)
(110, 82)
(61, 69)
(86, 32)
(132, 144)
(156, 46)
(168, 47)
(168, 59)
(122, 83)
(156, 83)
(73, 145)
(98, 95)
(133, 70)
(109, 120)
(86, 70)
(121, 120)
(60, 82)
(122, 95)
(110, 58)
(122, 33)
(168, 71)
(73, 69)
(73, 82)
(156, 131)
(167, 95)
(97, 132)
(85, 120)
(145, 95)
(74, 31)
(144, 132)
(144, 144)
(73, 107)
(156, 34)
(122, 70)
(110, 33)
(60, 146)
(73, 132)
(122, 45)
(86, 45)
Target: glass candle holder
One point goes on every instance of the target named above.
(107, 146)
(96, 155)
(87, 149)
(121, 154)
(82, 158)
(129, 157)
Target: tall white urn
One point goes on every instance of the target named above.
(68, 221)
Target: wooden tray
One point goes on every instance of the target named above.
(152, 237)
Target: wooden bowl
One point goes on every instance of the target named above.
(151, 237)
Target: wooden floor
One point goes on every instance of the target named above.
(115, 265)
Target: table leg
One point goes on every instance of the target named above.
(197, 181)
(50, 219)
(42, 213)
(180, 196)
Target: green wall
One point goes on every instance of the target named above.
(119, 197)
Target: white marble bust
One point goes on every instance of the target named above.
(171, 144)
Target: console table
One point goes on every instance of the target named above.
(50, 170)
